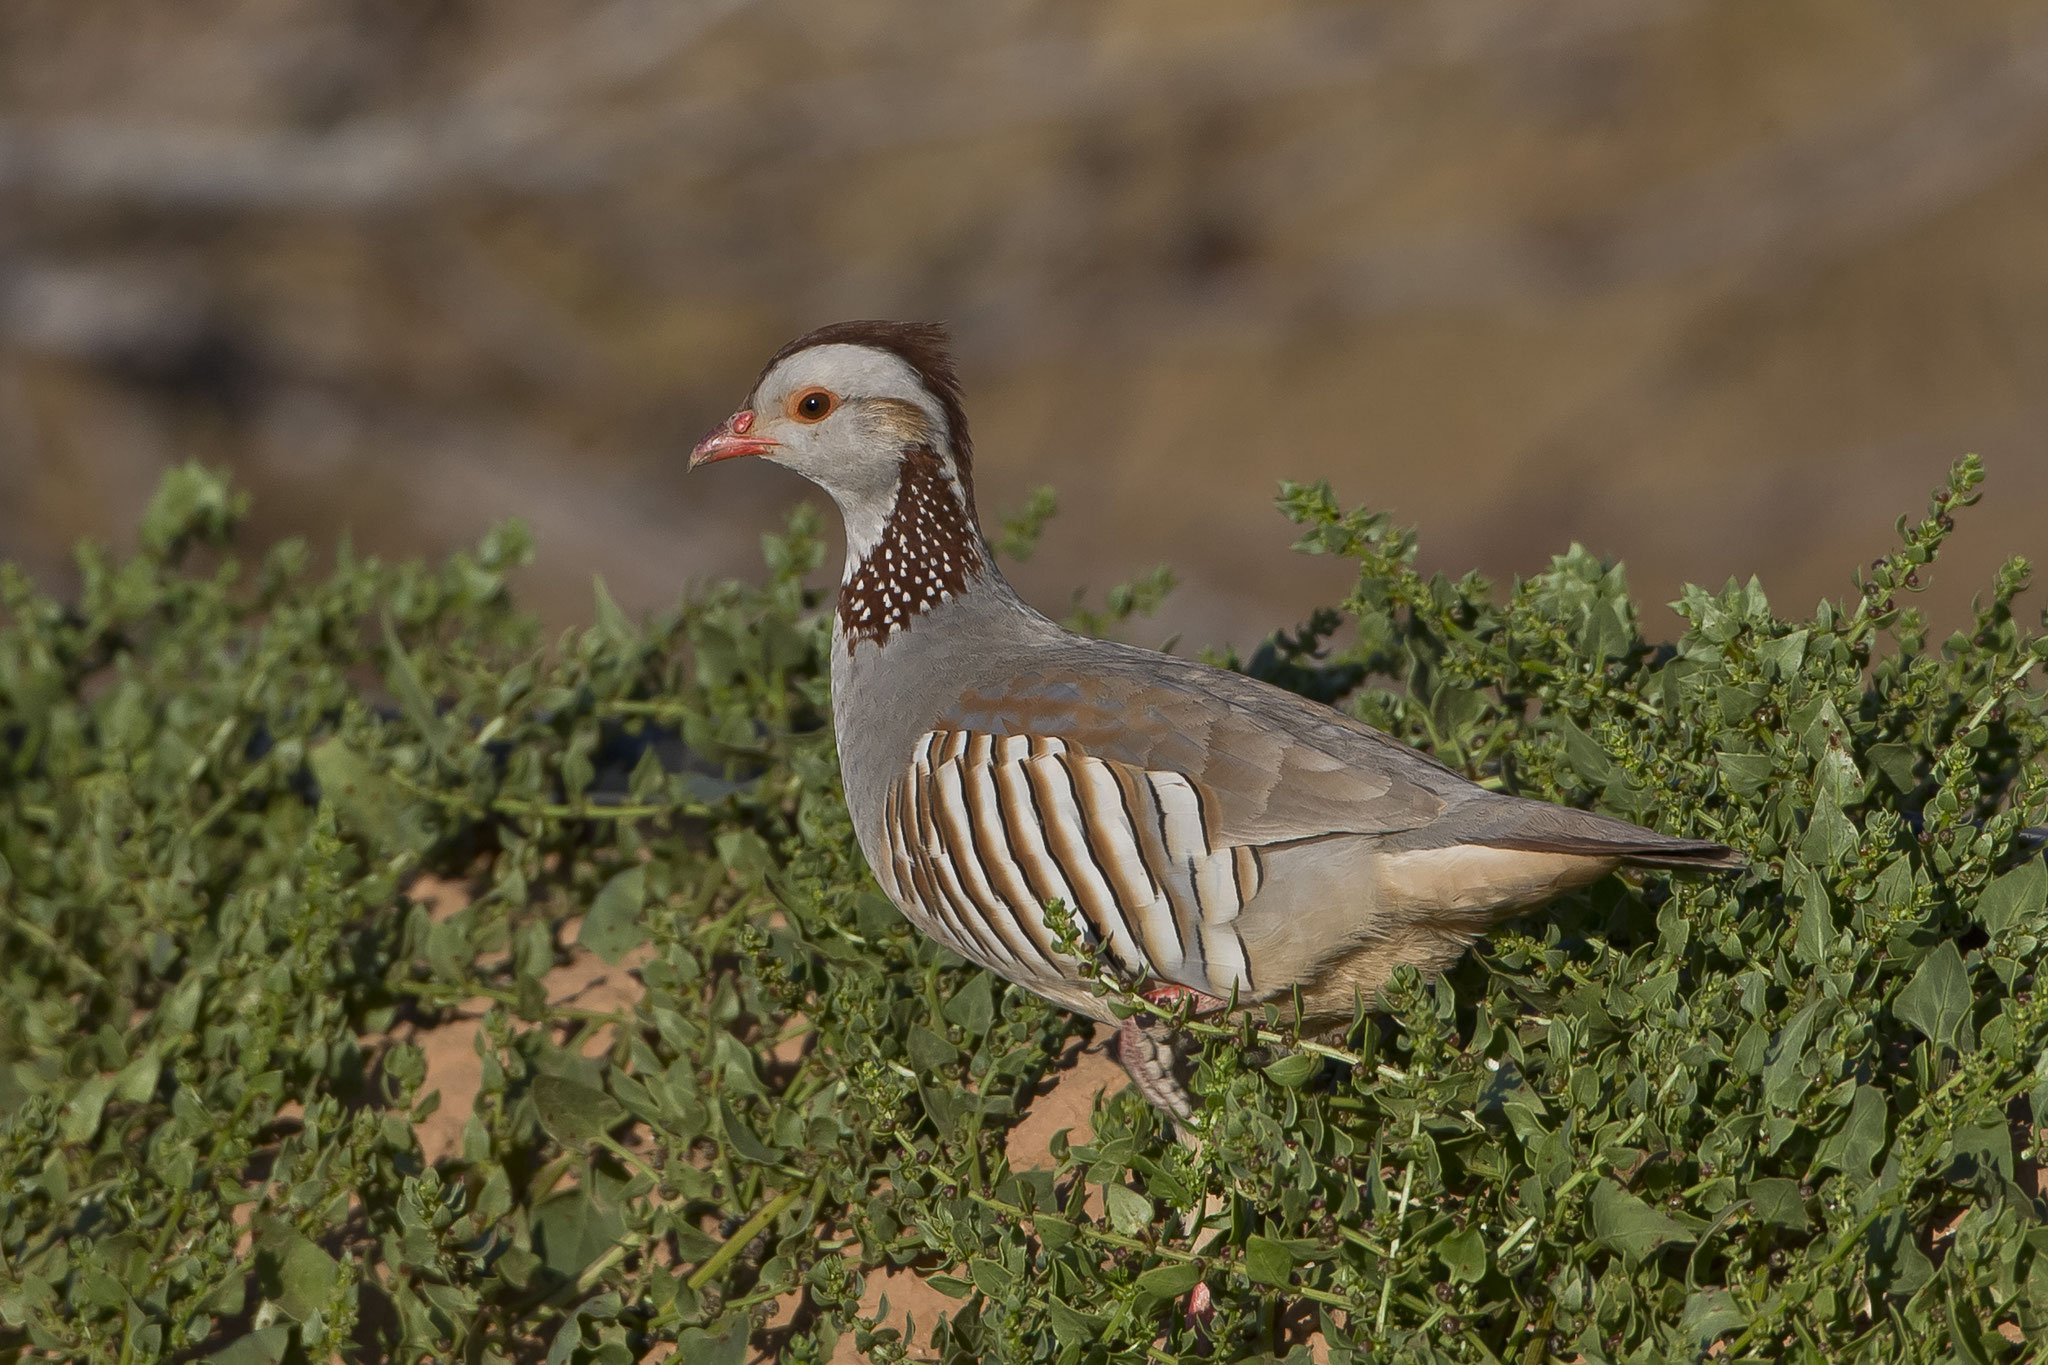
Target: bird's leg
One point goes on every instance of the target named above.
(1166, 993)
(1150, 1051)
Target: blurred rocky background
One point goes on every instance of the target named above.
(1715, 288)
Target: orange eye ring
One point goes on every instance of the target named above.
(812, 405)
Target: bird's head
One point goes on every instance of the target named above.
(846, 406)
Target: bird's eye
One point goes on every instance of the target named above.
(812, 405)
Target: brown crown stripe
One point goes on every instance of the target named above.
(928, 551)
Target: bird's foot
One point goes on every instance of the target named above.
(1149, 1054)
(1150, 1049)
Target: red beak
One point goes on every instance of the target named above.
(729, 440)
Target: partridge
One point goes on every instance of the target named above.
(1210, 834)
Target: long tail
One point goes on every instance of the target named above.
(1539, 827)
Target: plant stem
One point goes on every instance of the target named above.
(737, 1243)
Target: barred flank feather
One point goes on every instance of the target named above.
(984, 830)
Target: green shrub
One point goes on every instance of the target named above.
(1789, 1113)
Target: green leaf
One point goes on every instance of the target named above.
(614, 927)
(405, 682)
(973, 1006)
(83, 1110)
(1708, 1313)
(1777, 1201)
(735, 1063)
(747, 854)
(1830, 838)
(574, 1114)
(1816, 916)
(1897, 762)
(1054, 1231)
(32, 1299)
(1784, 1078)
(1170, 1281)
(366, 800)
(1295, 1070)
(2018, 897)
(992, 1278)
(1985, 1146)
(1021, 529)
(265, 1346)
(1937, 1000)
(568, 1337)
(1783, 654)
(1859, 1140)
(952, 1286)
(571, 1230)
(743, 1140)
(1626, 1224)
(1129, 1212)
(724, 1343)
(1967, 1333)
(1464, 1255)
(1745, 774)
(929, 1053)
(1267, 1261)
(1897, 1264)
(1593, 764)
(137, 1081)
(191, 502)
(612, 623)
(1072, 1326)
(294, 1272)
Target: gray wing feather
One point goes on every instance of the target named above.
(1275, 767)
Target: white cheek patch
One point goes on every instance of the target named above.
(853, 455)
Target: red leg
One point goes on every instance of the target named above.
(1166, 993)
(1146, 1049)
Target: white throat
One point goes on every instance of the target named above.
(864, 517)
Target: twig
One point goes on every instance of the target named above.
(737, 1243)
